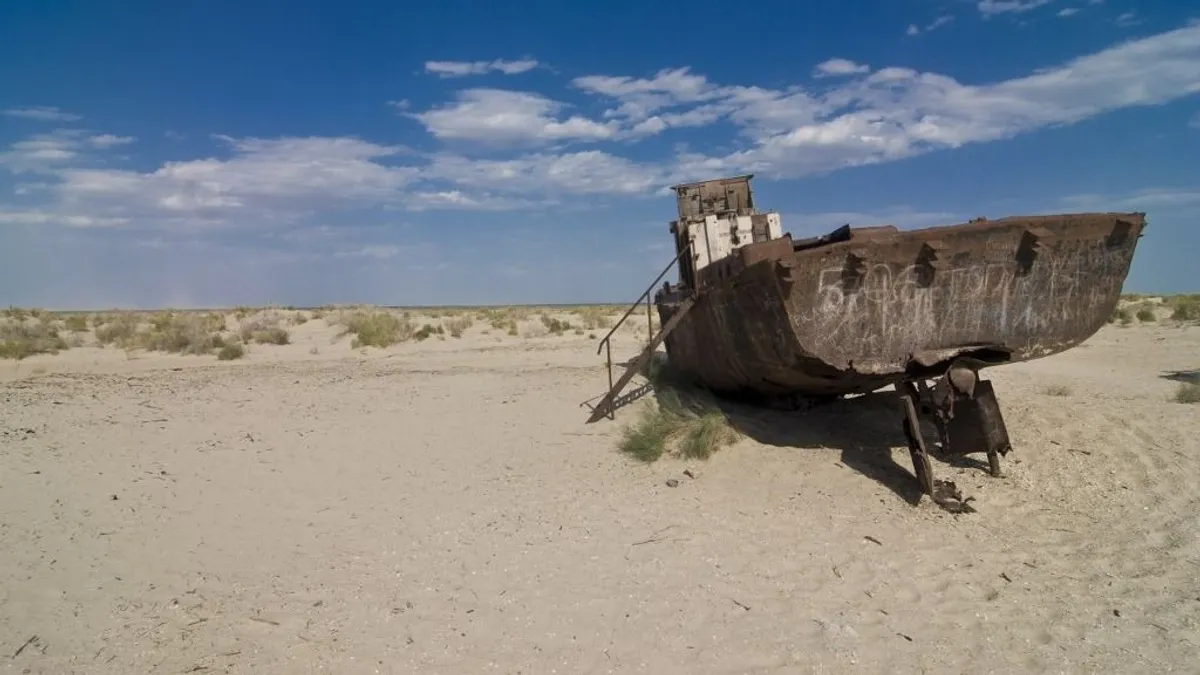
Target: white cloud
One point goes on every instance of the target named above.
(457, 199)
(880, 116)
(990, 8)
(939, 22)
(50, 218)
(464, 68)
(1127, 20)
(1179, 201)
(897, 112)
(263, 181)
(1068, 11)
(109, 140)
(589, 172)
(641, 98)
(41, 114)
(838, 66)
(914, 29)
(43, 152)
(498, 115)
(378, 251)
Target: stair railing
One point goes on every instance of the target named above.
(606, 341)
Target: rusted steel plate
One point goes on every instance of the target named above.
(886, 305)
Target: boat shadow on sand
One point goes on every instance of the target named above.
(1183, 376)
(867, 430)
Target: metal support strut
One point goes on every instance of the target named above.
(968, 419)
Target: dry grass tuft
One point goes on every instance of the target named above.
(458, 325)
(593, 318)
(427, 331)
(555, 326)
(646, 439)
(1185, 307)
(377, 328)
(683, 423)
(76, 323)
(117, 329)
(1146, 315)
(231, 350)
(264, 329)
(179, 333)
(20, 338)
(1188, 392)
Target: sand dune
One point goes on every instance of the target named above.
(440, 507)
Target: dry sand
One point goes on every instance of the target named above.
(442, 508)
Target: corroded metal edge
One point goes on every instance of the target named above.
(887, 305)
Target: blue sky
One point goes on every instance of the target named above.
(219, 153)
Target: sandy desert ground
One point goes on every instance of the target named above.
(441, 507)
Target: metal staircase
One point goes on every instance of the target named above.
(611, 401)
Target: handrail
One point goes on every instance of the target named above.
(603, 341)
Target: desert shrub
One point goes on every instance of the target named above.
(670, 427)
(378, 328)
(594, 317)
(264, 329)
(179, 334)
(705, 433)
(683, 422)
(118, 330)
(76, 323)
(458, 325)
(231, 350)
(275, 335)
(20, 340)
(1185, 308)
(16, 313)
(1121, 315)
(1188, 392)
(501, 317)
(646, 439)
(555, 326)
(1146, 315)
(428, 331)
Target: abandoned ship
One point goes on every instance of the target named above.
(758, 314)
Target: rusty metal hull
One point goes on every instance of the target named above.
(885, 306)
